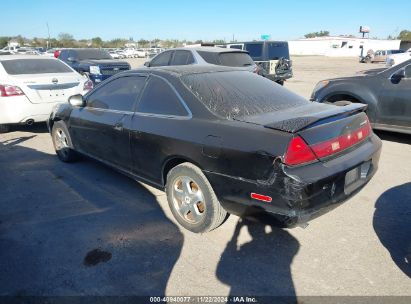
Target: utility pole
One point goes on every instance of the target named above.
(48, 32)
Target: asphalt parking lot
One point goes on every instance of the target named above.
(83, 229)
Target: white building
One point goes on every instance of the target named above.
(339, 46)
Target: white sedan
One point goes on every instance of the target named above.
(31, 86)
(396, 59)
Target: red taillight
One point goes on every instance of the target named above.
(88, 85)
(298, 152)
(342, 142)
(10, 90)
(57, 53)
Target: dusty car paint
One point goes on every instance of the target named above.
(238, 157)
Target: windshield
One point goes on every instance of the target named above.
(92, 54)
(34, 66)
(238, 94)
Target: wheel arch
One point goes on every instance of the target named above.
(367, 97)
(172, 162)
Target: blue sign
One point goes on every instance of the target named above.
(265, 37)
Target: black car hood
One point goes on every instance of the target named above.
(297, 118)
(103, 62)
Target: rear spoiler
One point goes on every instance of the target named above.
(298, 118)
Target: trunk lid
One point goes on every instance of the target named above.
(298, 118)
(327, 129)
(49, 88)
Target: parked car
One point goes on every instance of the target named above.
(387, 94)
(193, 131)
(114, 55)
(54, 53)
(396, 59)
(205, 56)
(381, 55)
(31, 86)
(96, 64)
(272, 56)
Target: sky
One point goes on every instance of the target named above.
(205, 20)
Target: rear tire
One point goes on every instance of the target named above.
(62, 142)
(4, 128)
(192, 199)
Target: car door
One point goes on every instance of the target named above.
(160, 116)
(394, 106)
(102, 128)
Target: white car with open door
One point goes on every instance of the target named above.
(30, 86)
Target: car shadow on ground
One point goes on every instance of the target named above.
(34, 128)
(392, 224)
(393, 136)
(260, 266)
(79, 229)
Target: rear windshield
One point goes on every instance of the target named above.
(235, 59)
(277, 50)
(92, 54)
(232, 59)
(34, 66)
(239, 94)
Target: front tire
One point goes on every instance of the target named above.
(4, 128)
(192, 199)
(62, 142)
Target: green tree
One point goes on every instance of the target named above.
(317, 34)
(97, 42)
(4, 41)
(66, 40)
(405, 35)
(143, 43)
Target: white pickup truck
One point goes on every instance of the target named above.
(395, 59)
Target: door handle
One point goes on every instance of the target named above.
(118, 127)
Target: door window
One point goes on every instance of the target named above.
(160, 98)
(182, 58)
(119, 94)
(161, 60)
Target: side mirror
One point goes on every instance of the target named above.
(147, 63)
(77, 100)
(71, 59)
(407, 71)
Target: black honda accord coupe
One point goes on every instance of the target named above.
(221, 141)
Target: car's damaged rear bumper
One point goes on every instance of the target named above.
(299, 194)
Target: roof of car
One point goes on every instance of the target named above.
(11, 57)
(182, 70)
(211, 49)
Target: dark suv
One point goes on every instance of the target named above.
(272, 56)
(97, 64)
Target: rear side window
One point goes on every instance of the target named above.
(209, 57)
(34, 66)
(240, 94)
(161, 60)
(182, 58)
(160, 98)
(119, 94)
